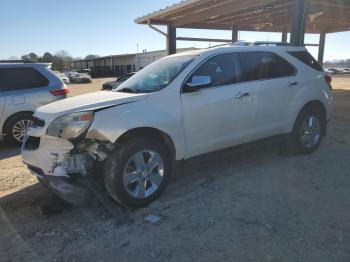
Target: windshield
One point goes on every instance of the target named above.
(156, 76)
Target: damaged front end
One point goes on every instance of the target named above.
(62, 165)
(64, 145)
(85, 154)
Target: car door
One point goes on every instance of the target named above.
(216, 116)
(274, 83)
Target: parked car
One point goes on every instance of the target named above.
(67, 73)
(335, 71)
(178, 107)
(63, 77)
(85, 71)
(23, 88)
(327, 71)
(346, 70)
(343, 71)
(79, 78)
(114, 84)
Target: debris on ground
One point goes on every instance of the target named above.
(152, 219)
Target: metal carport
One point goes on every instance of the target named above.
(295, 16)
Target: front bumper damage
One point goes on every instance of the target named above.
(62, 165)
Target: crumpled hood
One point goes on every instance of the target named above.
(91, 101)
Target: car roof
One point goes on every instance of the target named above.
(36, 65)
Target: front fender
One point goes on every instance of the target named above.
(111, 123)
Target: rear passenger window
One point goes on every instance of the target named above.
(21, 78)
(307, 59)
(223, 70)
(265, 65)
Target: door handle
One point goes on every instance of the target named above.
(293, 83)
(241, 95)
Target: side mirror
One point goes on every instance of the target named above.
(197, 83)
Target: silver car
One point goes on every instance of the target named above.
(114, 84)
(79, 78)
(24, 87)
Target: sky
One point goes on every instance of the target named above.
(107, 27)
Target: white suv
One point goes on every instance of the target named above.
(179, 107)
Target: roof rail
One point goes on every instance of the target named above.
(268, 43)
(24, 61)
(227, 44)
(256, 43)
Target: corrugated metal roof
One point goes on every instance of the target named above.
(252, 15)
(166, 9)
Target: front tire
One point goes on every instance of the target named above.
(137, 171)
(308, 131)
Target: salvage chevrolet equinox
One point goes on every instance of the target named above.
(179, 107)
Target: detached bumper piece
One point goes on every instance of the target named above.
(69, 189)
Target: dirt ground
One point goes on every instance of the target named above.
(251, 205)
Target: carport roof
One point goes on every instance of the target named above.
(323, 16)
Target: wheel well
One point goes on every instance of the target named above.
(11, 116)
(150, 133)
(316, 105)
(319, 107)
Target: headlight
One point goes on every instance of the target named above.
(71, 126)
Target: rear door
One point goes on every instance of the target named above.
(274, 83)
(217, 116)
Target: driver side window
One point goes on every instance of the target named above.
(223, 69)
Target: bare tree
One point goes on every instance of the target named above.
(91, 56)
(61, 60)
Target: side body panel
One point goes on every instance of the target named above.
(311, 87)
(214, 118)
(277, 102)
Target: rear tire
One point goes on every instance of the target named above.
(16, 128)
(308, 131)
(137, 171)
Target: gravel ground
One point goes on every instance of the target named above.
(251, 205)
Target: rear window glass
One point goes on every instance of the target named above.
(21, 78)
(307, 59)
(265, 65)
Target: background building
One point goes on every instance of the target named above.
(117, 65)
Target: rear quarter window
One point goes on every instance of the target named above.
(264, 66)
(21, 78)
(307, 59)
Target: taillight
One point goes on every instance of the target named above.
(328, 79)
(60, 92)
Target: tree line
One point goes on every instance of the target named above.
(60, 60)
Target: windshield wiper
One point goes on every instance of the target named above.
(128, 90)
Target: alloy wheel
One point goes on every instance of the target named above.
(310, 132)
(143, 174)
(20, 128)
